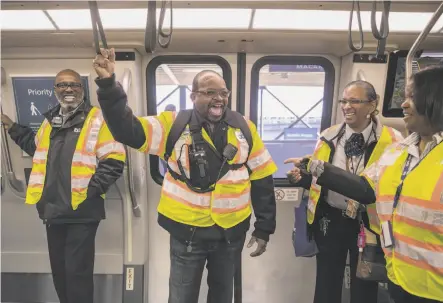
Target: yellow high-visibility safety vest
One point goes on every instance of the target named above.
(230, 202)
(386, 136)
(95, 142)
(416, 260)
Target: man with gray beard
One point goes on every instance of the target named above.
(75, 161)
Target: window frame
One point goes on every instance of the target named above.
(151, 90)
(328, 93)
(394, 56)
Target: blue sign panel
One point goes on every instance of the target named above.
(34, 96)
(299, 68)
(301, 133)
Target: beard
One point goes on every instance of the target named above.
(70, 101)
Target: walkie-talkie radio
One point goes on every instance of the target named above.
(197, 155)
(229, 152)
(57, 122)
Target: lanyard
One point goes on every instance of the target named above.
(403, 176)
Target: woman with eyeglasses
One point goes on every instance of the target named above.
(334, 220)
(407, 185)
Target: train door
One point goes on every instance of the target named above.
(168, 86)
(291, 102)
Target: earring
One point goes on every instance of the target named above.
(368, 116)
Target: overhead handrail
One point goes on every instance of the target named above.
(126, 84)
(360, 28)
(18, 187)
(382, 34)
(420, 39)
(161, 33)
(151, 28)
(97, 27)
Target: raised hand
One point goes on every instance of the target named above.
(104, 64)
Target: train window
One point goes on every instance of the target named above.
(169, 81)
(291, 103)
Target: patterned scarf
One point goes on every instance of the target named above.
(354, 146)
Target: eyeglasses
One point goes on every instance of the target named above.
(65, 85)
(213, 93)
(353, 101)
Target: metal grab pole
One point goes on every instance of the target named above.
(129, 183)
(420, 39)
(18, 186)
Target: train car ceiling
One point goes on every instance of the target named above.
(213, 26)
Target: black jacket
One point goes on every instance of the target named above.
(335, 183)
(126, 128)
(55, 203)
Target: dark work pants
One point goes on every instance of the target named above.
(341, 237)
(71, 253)
(402, 296)
(187, 270)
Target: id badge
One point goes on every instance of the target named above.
(388, 236)
(352, 208)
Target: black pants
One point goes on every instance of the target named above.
(187, 270)
(71, 253)
(402, 296)
(341, 237)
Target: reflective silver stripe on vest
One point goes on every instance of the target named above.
(433, 258)
(232, 202)
(420, 214)
(260, 159)
(91, 140)
(235, 176)
(179, 193)
(80, 183)
(412, 212)
(156, 136)
(40, 155)
(244, 146)
(87, 160)
(36, 179)
(109, 148)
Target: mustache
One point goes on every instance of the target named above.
(76, 95)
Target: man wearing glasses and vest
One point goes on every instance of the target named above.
(218, 172)
(75, 161)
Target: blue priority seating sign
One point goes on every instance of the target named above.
(34, 96)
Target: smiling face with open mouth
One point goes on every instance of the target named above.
(356, 107)
(211, 96)
(69, 90)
